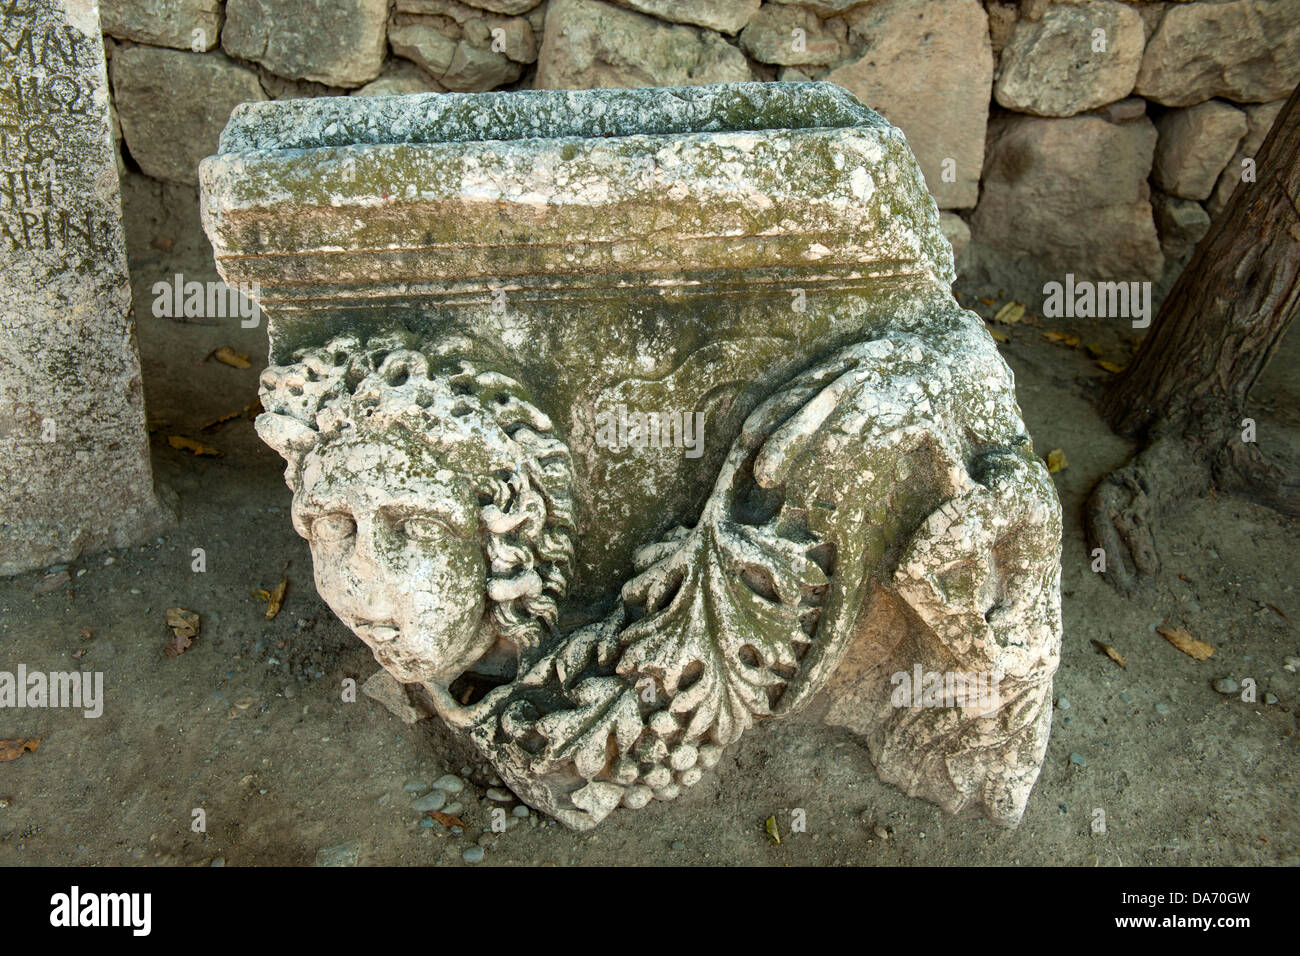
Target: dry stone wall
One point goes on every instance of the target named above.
(1096, 137)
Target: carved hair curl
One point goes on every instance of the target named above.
(482, 420)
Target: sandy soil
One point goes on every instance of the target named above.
(248, 724)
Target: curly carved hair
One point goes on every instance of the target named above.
(481, 420)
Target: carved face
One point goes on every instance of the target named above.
(395, 541)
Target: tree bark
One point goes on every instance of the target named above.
(1184, 394)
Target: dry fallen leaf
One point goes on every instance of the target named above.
(773, 834)
(1110, 652)
(447, 819)
(1010, 314)
(999, 336)
(1095, 349)
(248, 411)
(276, 598)
(1185, 642)
(78, 654)
(52, 582)
(1056, 460)
(179, 645)
(11, 748)
(1113, 367)
(228, 356)
(198, 448)
(185, 627)
(220, 420)
(1065, 338)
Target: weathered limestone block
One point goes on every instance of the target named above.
(1259, 120)
(620, 420)
(173, 106)
(400, 76)
(1076, 57)
(278, 88)
(74, 455)
(956, 231)
(1066, 196)
(335, 42)
(464, 48)
(1247, 51)
(824, 8)
(193, 25)
(793, 36)
(725, 16)
(928, 70)
(1180, 222)
(508, 7)
(395, 697)
(1002, 24)
(587, 44)
(1194, 146)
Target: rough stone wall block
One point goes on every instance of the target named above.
(335, 42)
(683, 364)
(193, 25)
(928, 70)
(74, 455)
(1247, 51)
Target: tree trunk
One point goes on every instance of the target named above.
(1184, 394)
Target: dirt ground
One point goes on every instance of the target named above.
(248, 724)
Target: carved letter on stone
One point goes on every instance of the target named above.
(568, 457)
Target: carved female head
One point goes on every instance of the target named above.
(435, 498)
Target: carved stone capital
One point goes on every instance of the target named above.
(622, 420)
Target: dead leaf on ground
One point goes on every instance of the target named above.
(1010, 314)
(447, 819)
(1185, 642)
(1065, 338)
(1056, 460)
(51, 582)
(999, 336)
(185, 628)
(773, 834)
(228, 356)
(86, 634)
(1113, 367)
(1110, 652)
(1095, 349)
(220, 420)
(248, 411)
(276, 598)
(11, 748)
(198, 448)
(78, 654)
